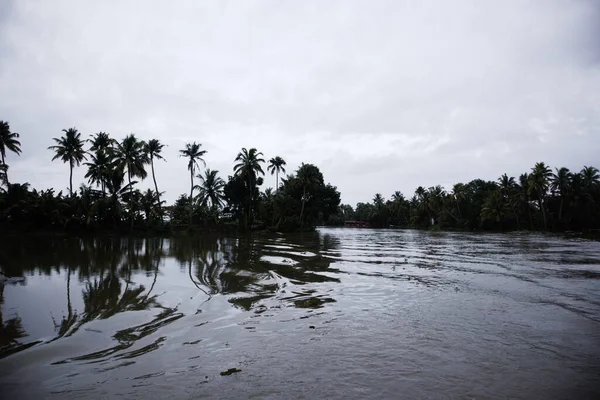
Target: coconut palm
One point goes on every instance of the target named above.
(309, 177)
(8, 141)
(538, 185)
(130, 156)
(506, 184)
(590, 177)
(560, 184)
(210, 189)
(98, 169)
(101, 141)
(194, 154)
(248, 166)
(69, 148)
(153, 149)
(276, 165)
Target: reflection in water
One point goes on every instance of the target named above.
(100, 274)
(360, 313)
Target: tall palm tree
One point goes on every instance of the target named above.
(248, 166)
(8, 141)
(210, 188)
(194, 154)
(308, 176)
(538, 184)
(69, 148)
(153, 149)
(276, 165)
(130, 156)
(560, 184)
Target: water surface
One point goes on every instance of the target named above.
(341, 313)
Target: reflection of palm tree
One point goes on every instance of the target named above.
(69, 148)
(10, 330)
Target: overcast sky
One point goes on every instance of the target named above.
(381, 96)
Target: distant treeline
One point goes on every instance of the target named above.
(111, 201)
(538, 200)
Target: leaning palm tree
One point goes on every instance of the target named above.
(248, 166)
(130, 156)
(153, 149)
(69, 148)
(276, 165)
(8, 141)
(210, 189)
(194, 154)
(538, 185)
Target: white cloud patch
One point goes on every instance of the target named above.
(381, 95)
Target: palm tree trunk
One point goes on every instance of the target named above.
(154, 179)
(560, 209)
(6, 172)
(71, 178)
(302, 208)
(191, 194)
(130, 199)
(543, 211)
(249, 221)
(276, 180)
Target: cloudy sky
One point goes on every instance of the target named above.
(381, 96)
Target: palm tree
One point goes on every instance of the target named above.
(248, 165)
(590, 177)
(276, 165)
(130, 156)
(560, 184)
(8, 141)
(101, 141)
(538, 184)
(210, 188)
(506, 184)
(69, 148)
(99, 169)
(308, 175)
(153, 149)
(194, 154)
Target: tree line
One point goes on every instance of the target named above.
(538, 200)
(110, 199)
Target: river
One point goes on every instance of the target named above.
(335, 314)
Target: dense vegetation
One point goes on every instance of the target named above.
(111, 201)
(537, 200)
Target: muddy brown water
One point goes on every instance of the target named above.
(336, 314)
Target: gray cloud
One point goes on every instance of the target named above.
(382, 96)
